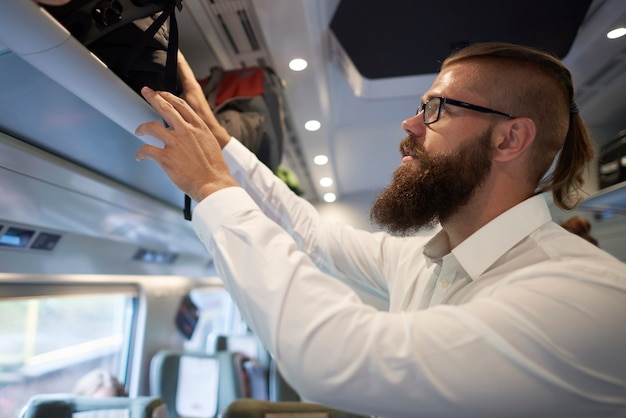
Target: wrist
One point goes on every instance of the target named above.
(220, 133)
(210, 188)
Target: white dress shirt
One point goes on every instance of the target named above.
(520, 319)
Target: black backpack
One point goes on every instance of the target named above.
(131, 37)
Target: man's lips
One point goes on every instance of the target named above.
(409, 155)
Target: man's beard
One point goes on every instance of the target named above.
(430, 191)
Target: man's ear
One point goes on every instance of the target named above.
(512, 138)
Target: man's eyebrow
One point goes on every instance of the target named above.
(427, 97)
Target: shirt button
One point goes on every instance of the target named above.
(444, 283)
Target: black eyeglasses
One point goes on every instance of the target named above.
(433, 107)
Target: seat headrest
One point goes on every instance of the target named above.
(66, 405)
(175, 377)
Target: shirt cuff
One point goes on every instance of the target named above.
(218, 208)
(233, 151)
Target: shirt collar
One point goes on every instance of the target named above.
(481, 249)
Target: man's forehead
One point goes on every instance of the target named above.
(455, 79)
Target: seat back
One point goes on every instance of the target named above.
(66, 405)
(252, 408)
(194, 384)
(251, 362)
(265, 380)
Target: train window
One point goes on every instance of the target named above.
(48, 341)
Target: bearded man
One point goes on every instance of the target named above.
(500, 312)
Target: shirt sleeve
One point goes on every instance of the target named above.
(356, 257)
(529, 347)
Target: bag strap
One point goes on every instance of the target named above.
(171, 65)
(172, 49)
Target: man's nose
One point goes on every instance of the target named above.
(414, 126)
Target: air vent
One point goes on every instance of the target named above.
(235, 25)
(45, 241)
(16, 237)
(155, 257)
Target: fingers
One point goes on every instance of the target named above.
(163, 106)
(184, 69)
(188, 80)
(155, 130)
(147, 151)
(174, 111)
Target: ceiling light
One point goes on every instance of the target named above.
(326, 182)
(298, 64)
(320, 159)
(312, 125)
(330, 197)
(616, 33)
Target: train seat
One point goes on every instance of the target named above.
(243, 343)
(194, 384)
(252, 408)
(66, 405)
(266, 382)
(251, 361)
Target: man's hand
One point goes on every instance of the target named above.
(191, 156)
(192, 93)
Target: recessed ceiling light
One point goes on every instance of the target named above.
(330, 197)
(616, 33)
(320, 159)
(298, 64)
(326, 182)
(312, 125)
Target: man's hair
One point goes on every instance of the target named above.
(527, 82)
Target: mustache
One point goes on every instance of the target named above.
(410, 145)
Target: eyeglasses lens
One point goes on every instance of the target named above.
(431, 110)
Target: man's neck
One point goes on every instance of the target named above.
(482, 209)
